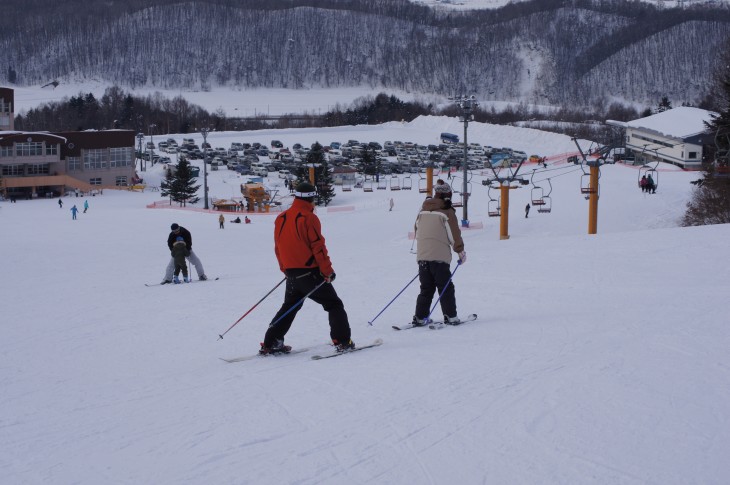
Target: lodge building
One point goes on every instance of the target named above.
(43, 164)
(675, 136)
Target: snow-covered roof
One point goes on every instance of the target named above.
(679, 122)
(4, 134)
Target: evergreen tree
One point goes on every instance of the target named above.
(710, 203)
(371, 163)
(184, 184)
(167, 186)
(323, 177)
(664, 105)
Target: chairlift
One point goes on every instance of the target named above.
(494, 206)
(382, 183)
(367, 186)
(407, 183)
(346, 187)
(585, 184)
(394, 183)
(648, 171)
(423, 185)
(547, 202)
(536, 195)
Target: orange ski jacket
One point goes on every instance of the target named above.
(298, 240)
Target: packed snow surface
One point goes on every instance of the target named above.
(597, 359)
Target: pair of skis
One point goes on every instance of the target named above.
(438, 324)
(376, 343)
(191, 281)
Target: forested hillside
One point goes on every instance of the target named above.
(578, 52)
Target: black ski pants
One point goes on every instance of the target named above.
(435, 275)
(299, 282)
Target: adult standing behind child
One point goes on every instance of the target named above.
(179, 252)
(175, 232)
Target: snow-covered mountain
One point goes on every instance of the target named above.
(541, 52)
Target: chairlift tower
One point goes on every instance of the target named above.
(467, 104)
(592, 189)
(505, 185)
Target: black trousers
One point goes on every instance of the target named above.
(299, 282)
(434, 275)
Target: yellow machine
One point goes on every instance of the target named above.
(257, 199)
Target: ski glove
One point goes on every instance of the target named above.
(330, 278)
(462, 257)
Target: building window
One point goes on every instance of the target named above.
(74, 163)
(692, 155)
(6, 151)
(95, 181)
(121, 181)
(51, 149)
(120, 157)
(38, 169)
(29, 149)
(95, 159)
(13, 170)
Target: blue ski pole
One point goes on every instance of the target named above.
(391, 301)
(458, 263)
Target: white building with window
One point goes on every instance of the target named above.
(674, 136)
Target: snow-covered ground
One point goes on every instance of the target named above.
(596, 359)
(232, 102)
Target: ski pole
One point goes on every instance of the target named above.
(297, 304)
(458, 263)
(251, 309)
(391, 301)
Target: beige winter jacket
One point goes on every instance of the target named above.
(437, 232)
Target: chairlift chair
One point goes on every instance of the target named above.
(585, 184)
(422, 185)
(382, 183)
(394, 183)
(407, 183)
(648, 171)
(367, 186)
(537, 196)
(547, 202)
(494, 206)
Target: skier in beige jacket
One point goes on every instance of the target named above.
(437, 235)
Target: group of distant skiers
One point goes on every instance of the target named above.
(302, 255)
(74, 209)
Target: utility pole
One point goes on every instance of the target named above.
(467, 105)
(204, 132)
(140, 137)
